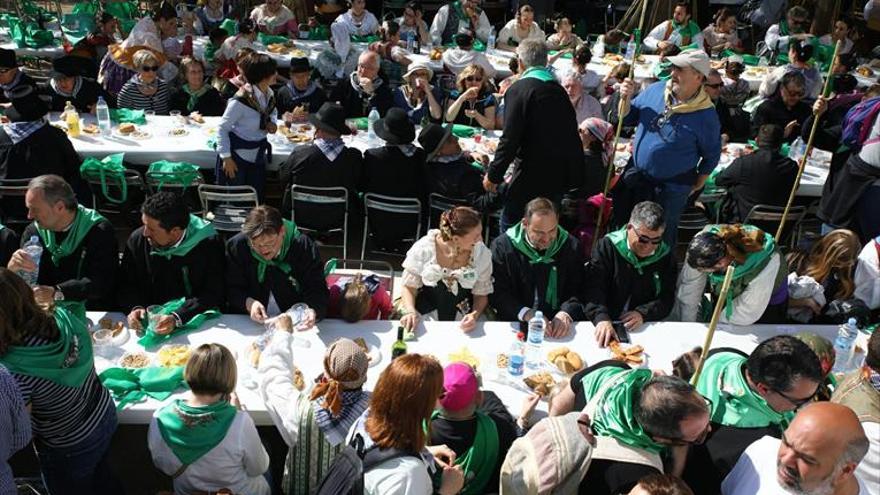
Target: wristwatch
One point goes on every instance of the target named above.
(59, 296)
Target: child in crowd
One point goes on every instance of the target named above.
(563, 39)
(735, 90)
(612, 81)
(97, 41)
(227, 53)
(590, 80)
(363, 298)
(394, 58)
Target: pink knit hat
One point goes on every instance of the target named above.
(460, 387)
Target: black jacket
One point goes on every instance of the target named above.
(388, 171)
(774, 111)
(149, 279)
(286, 102)
(9, 243)
(359, 104)
(518, 282)
(763, 177)
(615, 284)
(24, 80)
(734, 122)
(460, 180)
(89, 273)
(305, 284)
(210, 104)
(540, 129)
(46, 151)
(86, 97)
(308, 166)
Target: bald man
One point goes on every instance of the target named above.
(365, 89)
(818, 455)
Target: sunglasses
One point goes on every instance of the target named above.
(473, 79)
(795, 402)
(643, 239)
(150, 68)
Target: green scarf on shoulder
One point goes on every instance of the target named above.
(67, 361)
(152, 339)
(197, 231)
(519, 240)
(192, 431)
(290, 232)
(539, 73)
(194, 95)
(743, 273)
(128, 385)
(615, 412)
(479, 462)
(734, 403)
(687, 31)
(83, 221)
(621, 244)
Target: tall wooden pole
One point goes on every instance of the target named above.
(713, 324)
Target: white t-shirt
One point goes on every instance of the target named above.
(755, 472)
(868, 470)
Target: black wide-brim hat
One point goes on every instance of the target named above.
(396, 128)
(8, 59)
(72, 66)
(433, 137)
(331, 118)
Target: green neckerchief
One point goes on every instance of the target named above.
(479, 461)
(197, 231)
(520, 242)
(83, 221)
(194, 95)
(459, 11)
(539, 73)
(619, 241)
(290, 232)
(152, 339)
(128, 385)
(742, 273)
(615, 412)
(689, 30)
(191, 431)
(67, 361)
(734, 403)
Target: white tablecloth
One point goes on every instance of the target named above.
(662, 341)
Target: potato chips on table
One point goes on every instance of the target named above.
(173, 355)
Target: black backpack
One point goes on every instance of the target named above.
(346, 473)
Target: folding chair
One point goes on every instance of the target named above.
(160, 182)
(227, 207)
(438, 203)
(335, 269)
(128, 210)
(396, 211)
(692, 221)
(768, 218)
(13, 212)
(323, 211)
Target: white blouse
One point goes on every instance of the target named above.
(420, 268)
(509, 31)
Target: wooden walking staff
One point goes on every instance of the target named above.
(807, 152)
(713, 323)
(637, 36)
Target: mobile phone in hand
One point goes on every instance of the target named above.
(620, 331)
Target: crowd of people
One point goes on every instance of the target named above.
(523, 241)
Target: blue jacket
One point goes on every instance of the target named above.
(687, 145)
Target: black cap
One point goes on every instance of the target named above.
(8, 58)
(396, 128)
(331, 118)
(432, 137)
(299, 64)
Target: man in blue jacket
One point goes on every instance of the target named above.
(677, 142)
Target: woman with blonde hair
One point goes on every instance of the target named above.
(473, 103)
(207, 436)
(402, 403)
(831, 262)
(145, 90)
(448, 271)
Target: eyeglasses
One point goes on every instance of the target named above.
(264, 246)
(473, 79)
(797, 403)
(150, 68)
(643, 239)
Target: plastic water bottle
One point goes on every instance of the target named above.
(599, 47)
(490, 43)
(410, 42)
(534, 341)
(34, 251)
(631, 49)
(797, 150)
(844, 345)
(515, 358)
(103, 113)
(372, 118)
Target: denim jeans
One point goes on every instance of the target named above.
(83, 468)
(673, 198)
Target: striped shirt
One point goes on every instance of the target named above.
(63, 416)
(15, 428)
(130, 96)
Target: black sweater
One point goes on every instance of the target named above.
(287, 102)
(616, 283)
(308, 166)
(540, 129)
(359, 104)
(304, 284)
(518, 282)
(46, 151)
(89, 273)
(86, 97)
(9, 243)
(460, 180)
(149, 279)
(210, 104)
(388, 171)
(764, 177)
(774, 111)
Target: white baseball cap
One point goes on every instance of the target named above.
(693, 58)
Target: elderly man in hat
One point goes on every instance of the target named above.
(29, 146)
(10, 76)
(678, 141)
(452, 172)
(68, 83)
(301, 95)
(327, 162)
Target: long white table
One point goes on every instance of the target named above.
(662, 341)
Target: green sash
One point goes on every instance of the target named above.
(619, 241)
(615, 411)
(197, 231)
(742, 274)
(83, 222)
(67, 361)
(518, 238)
(290, 232)
(734, 403)
(152, 339)
(479, 462)
(190, 431)
(194, 95)
(128, 385)
(539, 73)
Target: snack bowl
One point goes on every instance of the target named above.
(102, 337)
(134, 360)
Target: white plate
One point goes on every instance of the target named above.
(121, 359)
(375, 355)
(178, 132)
(138, 134)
